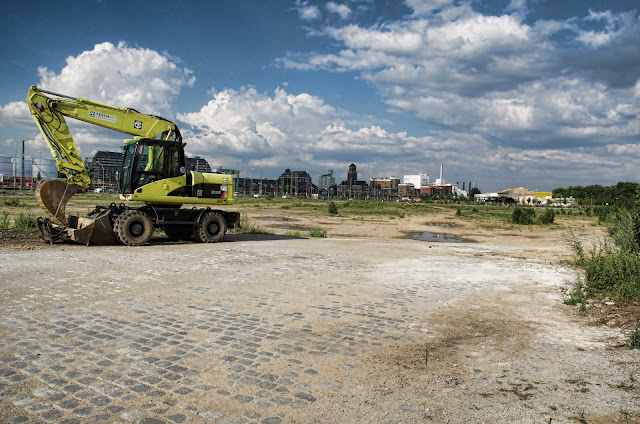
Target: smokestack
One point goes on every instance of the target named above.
(463, 186)
(441, 166)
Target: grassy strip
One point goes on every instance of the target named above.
(247, 227)
(612, 268)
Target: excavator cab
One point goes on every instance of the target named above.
(147, 160)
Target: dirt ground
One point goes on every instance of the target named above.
(472, 329)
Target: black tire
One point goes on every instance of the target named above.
(211, 228)
(178, 232)
(133, 228)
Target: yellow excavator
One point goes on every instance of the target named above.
(153, 172)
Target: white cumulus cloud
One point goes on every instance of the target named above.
(341, 10)
(307, 12)
(122, 76)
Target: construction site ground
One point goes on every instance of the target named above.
(368, 325)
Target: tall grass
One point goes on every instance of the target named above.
(247, 227)
(25, 222)
(612, 267)
(4, 221)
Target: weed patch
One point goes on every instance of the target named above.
(634, 339)
(4, 221)
(318, 232)
(247, 227)
(25, 222)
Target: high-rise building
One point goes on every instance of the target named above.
(352, 175)
(327, 180)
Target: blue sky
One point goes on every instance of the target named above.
(508, 93)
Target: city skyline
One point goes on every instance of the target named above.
(505, 92)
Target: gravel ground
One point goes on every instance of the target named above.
(366, 326)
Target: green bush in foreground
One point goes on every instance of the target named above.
(333, 208)
(612, 270)
(4, 221)
(523, 216)
(548, 216)
(634, 339)
(318, 232)
(247, 227)
(25, 222)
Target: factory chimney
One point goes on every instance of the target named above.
(441, 166)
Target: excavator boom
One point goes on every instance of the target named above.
(49, 111)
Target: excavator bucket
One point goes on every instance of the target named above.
(94, 229)
(53, 196)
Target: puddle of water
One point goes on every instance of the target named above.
(275, 218)
(286, 227)
(441, 224)
(436, 237)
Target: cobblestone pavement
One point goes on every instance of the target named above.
(237, 332)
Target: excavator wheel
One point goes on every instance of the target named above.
(53, 196)
(211, 228)
(133, 228)
(178, 232)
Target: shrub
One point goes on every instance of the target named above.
(247, 227)
(624, 228)
(523, 216)
(4, 221)
(25, 222)
(458, 212)
(318, 232)
(333, 208)
(548, 216)
(12, 202)
(634, 339)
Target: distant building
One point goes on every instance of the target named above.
(407, 190)
(197, 164)
(351, 188)
(384, 188)
(418, 180)
(104, 166)
(327, 180)
(295, 183)
(437, 190)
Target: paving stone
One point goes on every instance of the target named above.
(281, 400)
(99, 401)
(51, 415)
(98, 418)
(243, 399)
(252, 415)
(209, 415)
(36, 407)
(305, 396)
(87, 410)
(177, 418)
(149, 420)
(69, 404)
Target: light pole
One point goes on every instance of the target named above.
(251, 188)
(15, 168)
(102, 166)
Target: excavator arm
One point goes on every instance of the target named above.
(49, 111)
